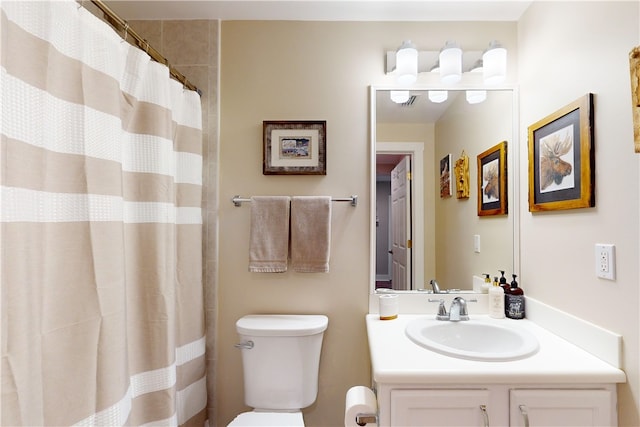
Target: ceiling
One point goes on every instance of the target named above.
(322, 10)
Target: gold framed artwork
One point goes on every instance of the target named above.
(294, 147)
(561, 159)
(634, 68)
(492, 181)
(462, 176)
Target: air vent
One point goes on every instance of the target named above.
(410, 102)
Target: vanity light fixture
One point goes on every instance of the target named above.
(437, 96)
(495, 63)
(407, 63)
(476, 96)
(399, 96)
(450, 59)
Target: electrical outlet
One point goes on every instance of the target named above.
(606, 261)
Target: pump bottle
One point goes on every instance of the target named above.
(496, 301)
(514, 300)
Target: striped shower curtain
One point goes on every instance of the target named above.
(101, 168)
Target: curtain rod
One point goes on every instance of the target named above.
(121, 25)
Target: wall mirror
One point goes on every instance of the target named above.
(421, 230)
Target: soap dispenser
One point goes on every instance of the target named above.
(503, 282)
(496, 301)
(514, 301)
(486, 286)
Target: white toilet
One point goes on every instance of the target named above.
(280, 359)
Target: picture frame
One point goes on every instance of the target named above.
(634, 74)
(562, 160)
(446, 187)
(294, 147)
(492, 181)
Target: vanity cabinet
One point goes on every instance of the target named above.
(565, 408)
(498, 405)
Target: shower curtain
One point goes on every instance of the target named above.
(101, 169)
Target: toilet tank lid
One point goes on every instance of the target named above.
(283, 325)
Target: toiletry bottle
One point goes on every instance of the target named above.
(514, 308)
(496, 301)
(503, 282)
(487, 283)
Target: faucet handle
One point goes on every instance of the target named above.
(442, 310)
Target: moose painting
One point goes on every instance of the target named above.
(556, 160)
(492, 181)
(561, 158)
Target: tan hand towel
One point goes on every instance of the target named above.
(310, 233)
(269, 236)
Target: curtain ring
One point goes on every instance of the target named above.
(126, 30)
(146, 48)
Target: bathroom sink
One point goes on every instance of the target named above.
(473, 339)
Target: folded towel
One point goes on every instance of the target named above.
(310, 233)
(269, 236)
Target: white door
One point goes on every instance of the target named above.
(401, 225)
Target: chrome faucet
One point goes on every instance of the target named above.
(458, 310)
(434, 285)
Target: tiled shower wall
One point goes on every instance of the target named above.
(192, 48)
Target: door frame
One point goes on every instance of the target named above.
(416, 151)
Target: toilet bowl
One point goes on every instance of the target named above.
(280, 361)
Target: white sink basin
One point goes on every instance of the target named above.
(473, 339)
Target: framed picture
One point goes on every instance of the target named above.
(634, 70)
(294, 148)
(561, 159)
(446, 189)
(492, 181)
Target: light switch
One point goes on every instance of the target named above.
(476, 243)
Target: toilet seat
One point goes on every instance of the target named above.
(268, 419)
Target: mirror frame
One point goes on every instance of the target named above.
(514, 178)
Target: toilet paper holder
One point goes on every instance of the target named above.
(364, 419)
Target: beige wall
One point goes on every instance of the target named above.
(567, 50)
(474, 129)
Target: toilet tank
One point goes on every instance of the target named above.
(281, 369)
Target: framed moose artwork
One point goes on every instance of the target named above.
(561, 159)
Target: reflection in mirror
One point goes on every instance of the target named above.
(423, 231)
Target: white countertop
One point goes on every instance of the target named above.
(396, 359)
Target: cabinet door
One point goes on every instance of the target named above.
(562, 408)
(439, 408)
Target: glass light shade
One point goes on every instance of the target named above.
(476, 96)
(407, 63)
(495, 64)
(450, 63)
(399, 96)
(438, 96)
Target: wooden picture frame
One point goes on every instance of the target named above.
(492, 181)
(446, 182)
(294, 147)
(562, 160)
(634, 73)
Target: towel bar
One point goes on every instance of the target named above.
(237, 200)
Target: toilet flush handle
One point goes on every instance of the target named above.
(245, 345)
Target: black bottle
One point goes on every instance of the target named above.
(514, 301)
